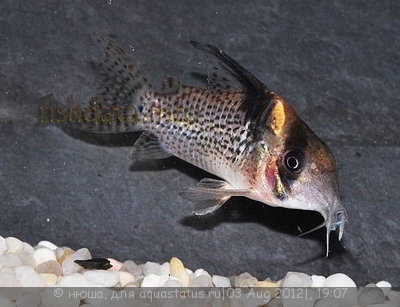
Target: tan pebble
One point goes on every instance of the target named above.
(178, 270)
(267, 284)
(49, 278)
(63, 253)
(245, 280)
(271, 288)
(125, 278)
(50, 266)
(14, 245)
(116, 265)
(27, 259)
(132, 285)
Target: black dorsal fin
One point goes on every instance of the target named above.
(258, 95)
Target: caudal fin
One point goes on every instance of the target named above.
(121, 94)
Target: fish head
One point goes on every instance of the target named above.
(299, 170)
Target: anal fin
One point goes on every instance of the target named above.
(148, 147)
(210, 195)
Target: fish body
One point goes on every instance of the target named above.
(236, 129)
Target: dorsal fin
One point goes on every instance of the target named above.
(258, 96)
(170, 86)
(219, 79)
(246, 78)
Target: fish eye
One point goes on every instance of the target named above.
(293, 161)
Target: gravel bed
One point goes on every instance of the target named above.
(47, 265)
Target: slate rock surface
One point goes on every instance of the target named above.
(336, 62)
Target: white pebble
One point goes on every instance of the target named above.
(202, 280)
(102, 278)
(151, 280)
(14, 245)
(189, 272)
(330, 302)
(133, 268)
(385, 286)
(48, 245)
(386, 304)
(125, 278)
(164, 278)
(164, 268)
(49, 279)
(200, 272)
(6, 303)
(70, 267)
(300, 300)
(393, 296)
(339, 280)
(28, 249)
(28, 277)
(50, 300)
(10, 260)
(97, 299)
(371, 296)
(3, 245)
(295, 279)
(151, 268)
(43, 254)
(74, 280)
(28, 299)
(8, 278)
(275, 302)
(172, 282)
(221, 281)
(317, 281)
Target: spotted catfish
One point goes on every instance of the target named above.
(236, 129)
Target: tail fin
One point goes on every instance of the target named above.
(121, 94)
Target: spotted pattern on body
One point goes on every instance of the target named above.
(204, 127)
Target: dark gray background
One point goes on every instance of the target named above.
(337, 62)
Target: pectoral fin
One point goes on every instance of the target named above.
(211, 194)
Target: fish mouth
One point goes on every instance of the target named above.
(335, 219)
